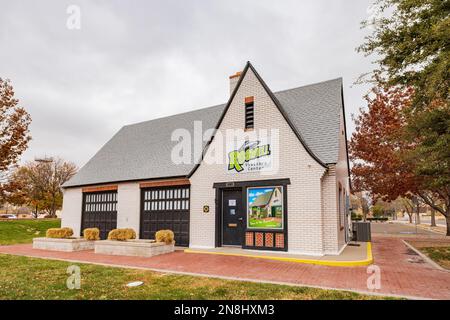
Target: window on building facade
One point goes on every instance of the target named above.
(249, 115)
(265, 208)
(166, 199)
(100, 202)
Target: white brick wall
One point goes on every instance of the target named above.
(128, 206)
(342, 175)
(305, 230)
(330, 215)
(71, 212)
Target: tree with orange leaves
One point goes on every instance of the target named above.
(410, 41)
(14, 123)
(376, 150)
(385, 153)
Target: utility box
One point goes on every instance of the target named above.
(361, 231)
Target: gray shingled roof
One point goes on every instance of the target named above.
(143, 150)
(315, 111)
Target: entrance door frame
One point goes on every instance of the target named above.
(238, 189)
(243, 185)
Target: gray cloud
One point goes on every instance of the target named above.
(137, 60)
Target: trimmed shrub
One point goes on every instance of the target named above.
(376, 219)
(59, 233)
(91, 234)
(166, 236)
(122, 234)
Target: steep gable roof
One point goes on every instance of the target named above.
(262, 200)
(143, 151)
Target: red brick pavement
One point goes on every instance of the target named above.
(398, 275)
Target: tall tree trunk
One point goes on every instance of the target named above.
(447, 219)
(433, 217)
(52, 208)
(418, 213)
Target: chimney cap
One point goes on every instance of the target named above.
(236, 75)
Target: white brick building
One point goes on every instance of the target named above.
(282, 185)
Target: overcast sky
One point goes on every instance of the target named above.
(133, 61)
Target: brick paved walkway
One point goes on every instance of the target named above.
(399, 276)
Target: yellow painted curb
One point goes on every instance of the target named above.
(333, 263)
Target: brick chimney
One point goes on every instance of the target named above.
(233, 81)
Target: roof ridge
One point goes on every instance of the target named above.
(173, 115)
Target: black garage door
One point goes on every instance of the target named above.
(100, 211)
(165, 208)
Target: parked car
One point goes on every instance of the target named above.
(8, 216)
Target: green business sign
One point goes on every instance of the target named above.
(247, 157)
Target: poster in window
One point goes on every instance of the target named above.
(265, 208)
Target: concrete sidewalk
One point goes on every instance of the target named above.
(402, 271)
(403, 230)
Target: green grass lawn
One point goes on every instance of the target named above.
(31, 278)
(440, 255)
(23, 231)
